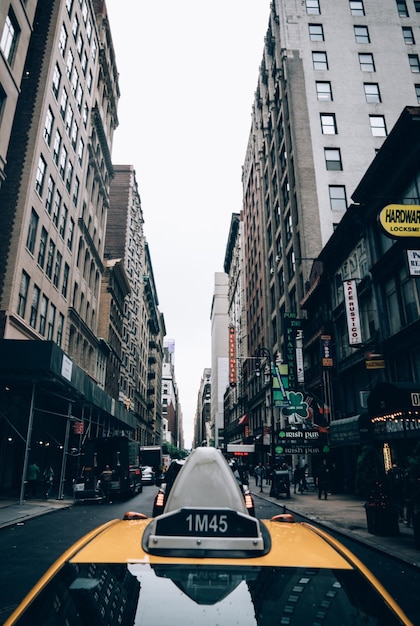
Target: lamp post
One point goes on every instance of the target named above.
(268, 380)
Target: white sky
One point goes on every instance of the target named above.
(188, 73)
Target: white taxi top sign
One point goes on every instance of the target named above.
(400, 220)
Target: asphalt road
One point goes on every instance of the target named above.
(27, 550)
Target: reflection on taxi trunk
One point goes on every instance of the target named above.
(138, 594)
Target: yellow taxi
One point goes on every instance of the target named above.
(206, 561)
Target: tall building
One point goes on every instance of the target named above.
(170, 397)
(202, 429)
(333, 80)
(219, 356)
(57, 124)
(142, 348)
(16, 24)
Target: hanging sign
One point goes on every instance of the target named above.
(352, 312)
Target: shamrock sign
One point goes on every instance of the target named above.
(297, 410)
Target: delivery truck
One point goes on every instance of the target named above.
(116, 458)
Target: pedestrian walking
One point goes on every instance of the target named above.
(296, 479)
(48, 476)
(105, 478)
(259, 475)
(33, 476)
(396, 486)
(323, 481)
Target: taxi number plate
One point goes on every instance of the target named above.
(205, 523)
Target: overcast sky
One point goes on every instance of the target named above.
(188, 72)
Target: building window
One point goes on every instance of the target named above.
(372, 93)
(43, 315)
(56, 81)
(417, 88)
(313, 7)
(50, 259)
(2, 100)
(76, 190)
(32, 231)
(57, 146)
(42, 247)
(69, 6)
(333, 159)
(70, 234)
(69, 175)
(57, 269)
(63, 161)
(320, 60)
(60, 329)
(80, 151)
(62, 41)
(51, 322)
(408, 35)
(328, 124)
(65, 285)
(402, 8)
(316, 32)
(377, 124)
(57, 208)
(69, 64)
(361, 34)
(366, 62)
(23, 294)
(356, 7)
(338, 198)
(9, 37)
(34, 306)
(323, 90)
(417, 6)
(414, 63)
(40, 175)
(48, 126)
(50, 195)
(63, 221)
(63, 102)
(69, 119)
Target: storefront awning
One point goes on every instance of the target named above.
(352, 431)
(388, 398)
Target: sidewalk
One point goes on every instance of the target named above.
(11, 512)
(346, 514)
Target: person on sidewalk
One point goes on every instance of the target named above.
(48, 476)
(323, 481)
(33, 477)
(259, 475)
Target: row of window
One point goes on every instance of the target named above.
(42, 313)
(361, 34)
(366, 62)
(357, 8)
(49, 258)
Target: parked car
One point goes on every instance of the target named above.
(206, 560)
(147, 475)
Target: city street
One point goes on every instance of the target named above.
(28, 548)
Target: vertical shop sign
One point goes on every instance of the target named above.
(352, 312)
(232, 356)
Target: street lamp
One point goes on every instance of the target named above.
(268, 380)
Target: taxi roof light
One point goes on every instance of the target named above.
(206, 513)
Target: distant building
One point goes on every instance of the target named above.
(219, 356)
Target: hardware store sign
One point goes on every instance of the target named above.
(400, 220)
